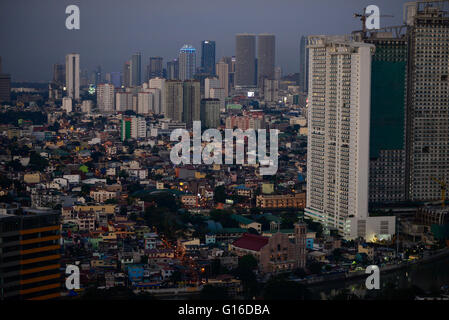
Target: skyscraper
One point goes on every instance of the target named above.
(5, 87)
(105, 98)
(191, 102)
(427, 114)
(136, 69)
(154, 68)
(303, 65)
(127, 74)
(210, 113)
(338, 137)
(222, 69)
(158, 84)
(209, 83)
(266, 47)
(387, 118)
(174, 100)
(208, 57)
(59, 74)
(245, 63)
(173, 70)
(72, 74)
(187, 62)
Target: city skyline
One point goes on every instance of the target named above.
(122, 31)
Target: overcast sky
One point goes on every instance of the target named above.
(33, 35)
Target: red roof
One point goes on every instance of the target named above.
(251, 242)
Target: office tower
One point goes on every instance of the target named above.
(29, 255)
(159, 96)
(245, 63)
(174, 100)
(187, 62)
(173, 70)
(223, 76)
(5, 87)
(210, 113)
(338, 137)
(136, 69)
(210, 83)
(427, 114)
(387, 118)
(277, 73)
(72, 75)
(98, 76)
(154, 68)
(271, 90)
(116, 79)
(59, 74)
(105, 98)
(67, 104)
(218, 93)
(208, 57)
(145, 100)
(266, 47)
(123, 101)
(191, 102)
(127, 74)
(303, 65)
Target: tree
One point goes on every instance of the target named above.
(220, 194)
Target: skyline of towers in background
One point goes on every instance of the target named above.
(155, 68)
(303, 65)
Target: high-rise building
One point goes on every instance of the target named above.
(154, 68)
(208, 57)
(266, 48)
(159, 97)
(133, 128)
(338, 138)
(387, 118)
(59, 74)
(127, 74)
(427, 114)
(210, 113)
(222, 69)
(72, 74)
(98, 76)
(191, 102)
(173, 70)
(187, 62)
(303, 65)
(5, 87)
(218, 93)
(124, 101)
(67, 104)
(271, 90)
(105, 98)
(174, 100)
(136, 69)
(245, 60)
(29, 255)
(209, 83)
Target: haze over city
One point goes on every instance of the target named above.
(34, 37)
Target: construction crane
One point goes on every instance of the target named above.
(443, 189)
(365, 15)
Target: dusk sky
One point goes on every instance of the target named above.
(33, 35)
